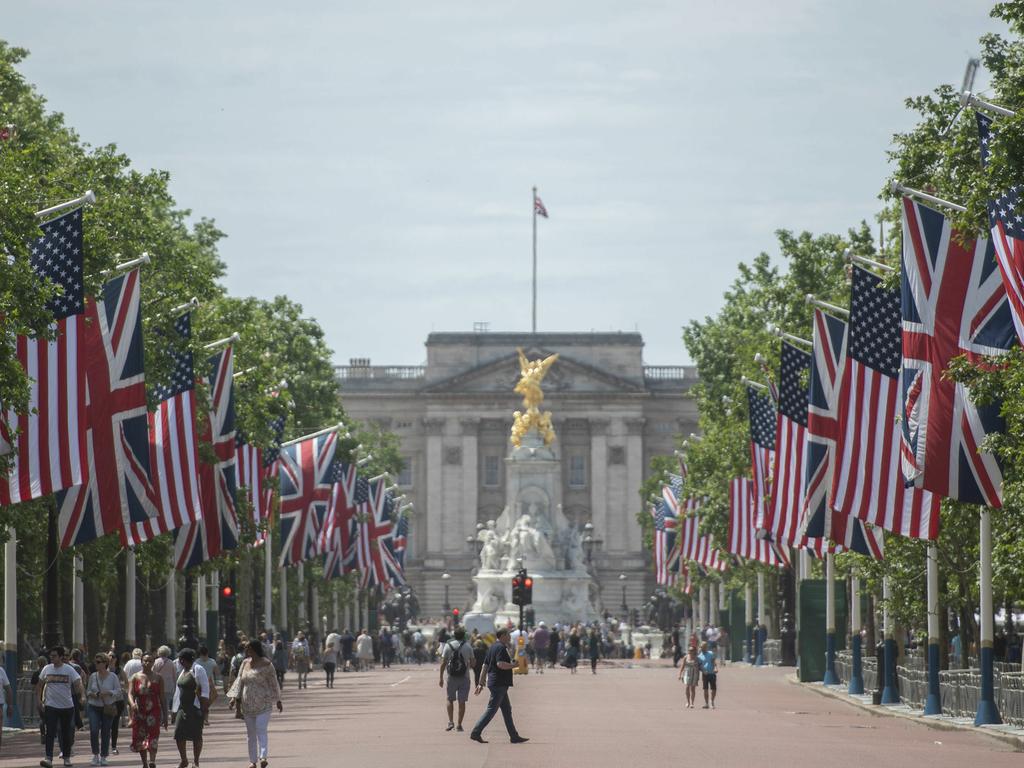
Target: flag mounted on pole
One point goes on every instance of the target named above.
(868, 482)
(307, 471)
(50, 447)
(761, 411)
(791, 431)
(743, 539)
(538, 206)
(666, 550)
(954, 303)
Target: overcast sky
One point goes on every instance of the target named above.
(374, 160)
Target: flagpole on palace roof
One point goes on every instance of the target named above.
(533, 207)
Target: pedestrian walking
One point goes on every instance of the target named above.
(364, 650)
(709, 673)
(60, 687)
(541, 638)
(189, 705)
(385, 648)
(147, 711)
(133, 666)
(593, 649)
(280, 660)
(100, 692)
(164, 666)
(6, 699)
(210, 665)
(348, 643)
(553, 642)
(254, 695)
(689, 673)
(479, 653)
(120, 699)
(329, 657)
(572, 653)
(456, 659)
(300, 657)
(497, 671)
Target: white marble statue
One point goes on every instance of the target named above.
(491, 552)
(526, 542)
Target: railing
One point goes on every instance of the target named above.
(27, 701)
(668, 372)
(959, 689)
(346, 372)
(772, 652)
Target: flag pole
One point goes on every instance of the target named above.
(533, 207)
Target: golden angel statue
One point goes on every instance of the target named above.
(531, 373)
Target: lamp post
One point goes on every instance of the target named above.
(625, 608)
(444, 578)
(589, 542)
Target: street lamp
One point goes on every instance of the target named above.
(444, 578)
(625, 608)
(589, 542)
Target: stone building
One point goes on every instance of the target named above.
(611, 412)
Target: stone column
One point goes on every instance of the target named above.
(170, 618)
(129, 597)
(201, 607)
(78, 606)
(599, 482)
(856, 686)
(634, 476)
(433, 455)
(465, 522)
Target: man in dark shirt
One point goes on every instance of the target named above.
(497, 671)
(347, 641)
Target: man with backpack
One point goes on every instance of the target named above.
(456, 659)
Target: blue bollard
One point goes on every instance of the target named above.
(831, 678)
(12, 718)
(856, 686)
(933, 701)
(988, 712)
(889, 693)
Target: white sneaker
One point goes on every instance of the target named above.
(67, 762)
(103, 761)
(95, 760)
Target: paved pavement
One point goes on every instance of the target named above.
(619, 717)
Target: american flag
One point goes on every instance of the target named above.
(1006, 219)
(684, 470)
(868, 483)
(791, 429)
(307, 479)
(666, 551)
(51, 447)
(539, 208)
(375, 555)
(249, 460)
(270, 470)
(954, 304)
(217, 531)
(174, 446)
(672, 492)
(117, 490)
(743, 539)
(820, 520)
(694, 546)
(761, 411)
(685, 579)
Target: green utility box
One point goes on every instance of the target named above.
(811, 636)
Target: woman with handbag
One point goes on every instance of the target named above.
(253, 696)
(101, 695)
(146, 704)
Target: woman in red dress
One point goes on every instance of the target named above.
(146, 703)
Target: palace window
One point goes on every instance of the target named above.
(577, 471)
(405, 476)
(492, 469)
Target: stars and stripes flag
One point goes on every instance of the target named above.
(249, 461)
(307, 474)
(666, 550)
(538, 207)
(783, 518)
(174, 446)
(1006, 220)
(761, 411)
(743, 539)
(117, 490)
(684, 470)
(50, 440)
(270, 472)
(685, 579)
(954, 303)
(820, 520)
(868, 482)
(217, 530)
(374, 547)
(694, 546)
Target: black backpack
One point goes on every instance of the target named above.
(457, 662)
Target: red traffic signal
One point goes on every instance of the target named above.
(455, 612)
(226, 591)
(528, 583)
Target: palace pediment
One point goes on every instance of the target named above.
(566, 375)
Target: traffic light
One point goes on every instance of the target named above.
(455, 615)
(517, 588)
(527, 589)
(227, 610)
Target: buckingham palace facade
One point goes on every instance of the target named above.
(452, 416)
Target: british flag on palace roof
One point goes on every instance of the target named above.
(117, 490)
(307, 480)
(954, 304)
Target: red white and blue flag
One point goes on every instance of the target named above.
(348, 493)
(1006, 220)
(375, 555)
(761, 410)
(50, 435)
(307, 480)
(820, 520)
(117, 490)
(174, 446)
(694, 546)
(791, 430)
(868, 483)
(954, 304)
(743, 539)
(538, 207)
(666, 549)
(217, 531)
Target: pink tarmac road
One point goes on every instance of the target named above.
(620, 717)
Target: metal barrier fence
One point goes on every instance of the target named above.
(959, 689)
(773, 652)
(26, 698)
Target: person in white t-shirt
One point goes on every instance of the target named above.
(59, 686)
(133, 666)
(6, 695)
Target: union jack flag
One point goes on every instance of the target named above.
(539, 208)
(954, 303)
(51, 445)
(820, 521)
(761, 410)
(401, 539)
(307, 479)
(791, 429)
(868, 483)
(117, 490)
(348, 492)
(173, 445)
(743, 539)
(217, 531)
(1006, 220)
(666, 549)
(374, 548)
